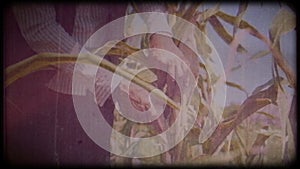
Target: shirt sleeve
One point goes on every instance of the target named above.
(41, 31)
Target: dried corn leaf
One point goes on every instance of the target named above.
(283, 63)
(241, 141)
(269, 132)
(268, 83)
(223, 33)
(33, 64)
(276, 77)
(191, 10)
(260, 54)
(283, 22)
(147, 75)
(266, 114)
(145, 41)
(237, 86)
(230, 111)
(218, 159)
(284, 108)
(236, 67)
(121, 49)
(243, 24)
(248, 107)
(203, 16)
(263, 101)
(42, 60)
(202, 46)
(256, 147)
(239, 16)
(172, 7)
(182, 10)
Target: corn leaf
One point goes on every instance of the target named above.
(236, 67)
(266, 114)
(223, 33)
(243, 24)
(147, 75)
(268, 83)
(203, 16)
(252, 104)
(260, 54)
(256, 147)
(239, 16)
(237, 86)
(121, 49)
(283, 22)
(42, 60)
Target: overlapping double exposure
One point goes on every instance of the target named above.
(159, 84)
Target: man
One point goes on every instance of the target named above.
(46, 129)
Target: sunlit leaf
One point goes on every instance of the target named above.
(147, 75)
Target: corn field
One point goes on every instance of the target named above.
(257, 125)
